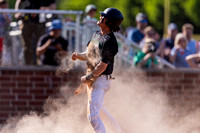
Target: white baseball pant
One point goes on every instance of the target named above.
(96, 110)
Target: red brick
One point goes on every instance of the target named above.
(19, 103)
(41, 97)
(50, 91)
(172, 92)
(25, 97)
(4, 103)
(190, 98)
(7, 109)
(191, 75)
(56, 85)
(186, 93)
(153, 80)
(38, 109)
(55, 79)
(186, 81)
(42, 85)
(37, 79)
(3, 115)
(9, 72)
(28, 72)
(4, 90)
(24, 109)
(174, 87)
(5, 78)
(25, 84)
(196, 81)
(36, 103)
(189, 87)
(158, 74)
(19, 91)
(44, 73)
(36, 91)
(20, 78)
(6, 85)
(169, 81)
(7, 97)
(175, 75)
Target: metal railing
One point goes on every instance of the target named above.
(77, 34)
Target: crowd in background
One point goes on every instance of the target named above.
(45, 47)
(178, 48)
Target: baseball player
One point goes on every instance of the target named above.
(100, 60)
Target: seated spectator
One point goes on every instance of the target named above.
(146, 57)
(179, 51)
(51, 46)
(193, 60)
(168, 43)
(187, 30)
(137, 34)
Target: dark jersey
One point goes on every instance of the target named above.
(107, 47)
(50, 57)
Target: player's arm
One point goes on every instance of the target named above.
(100, 68)
(79, 56)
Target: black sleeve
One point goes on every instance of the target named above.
(110, 49)
(64, 44)
(42, 40)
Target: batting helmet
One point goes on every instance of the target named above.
(114, 17)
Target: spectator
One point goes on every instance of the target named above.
(146, 57)
(90, 24)
(167, 44)
(137, 34)
(193, 60)
(51, 46)
(32, 26)
(179, 51)
(150, 33)
(187, 30)
(90, 19)
(5, 19)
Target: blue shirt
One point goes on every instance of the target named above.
(135, 35)
(169, 43)
(191, 47)
(180, 57)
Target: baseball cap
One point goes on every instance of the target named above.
(141, 17)
(56, 24)
(172, 26)
(90, 7)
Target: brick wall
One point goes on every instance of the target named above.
(25, 89)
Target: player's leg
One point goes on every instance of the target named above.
(95, 102)
(109, 120)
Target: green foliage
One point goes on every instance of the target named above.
(192, 9)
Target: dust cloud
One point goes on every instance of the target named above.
(134, 104)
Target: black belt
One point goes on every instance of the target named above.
(108, 77)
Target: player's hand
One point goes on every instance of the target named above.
(84, 80)
(74, 56)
